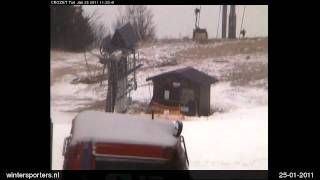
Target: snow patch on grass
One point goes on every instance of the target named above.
(225, 97)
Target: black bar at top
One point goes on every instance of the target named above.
(158, 2)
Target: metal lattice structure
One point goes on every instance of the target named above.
(119, 57)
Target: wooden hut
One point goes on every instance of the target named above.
(186, 89)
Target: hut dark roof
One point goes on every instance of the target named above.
(189, 73)
(125, 37)
(106, 44)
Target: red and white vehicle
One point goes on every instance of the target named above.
(109, 141)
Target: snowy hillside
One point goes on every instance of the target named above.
(235, 136)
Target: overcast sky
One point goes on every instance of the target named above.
(178, 20)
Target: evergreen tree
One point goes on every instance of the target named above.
(70, 29)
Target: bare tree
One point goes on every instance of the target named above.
(140, 17)
(99, 29)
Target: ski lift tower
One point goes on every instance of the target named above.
(119, 56)
(232, 22)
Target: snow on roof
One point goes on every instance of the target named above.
(98, 126)
(189, 73)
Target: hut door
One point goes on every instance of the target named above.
(174, 94)
(187, 95)
(188, 100)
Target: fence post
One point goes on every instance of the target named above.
(152, 114)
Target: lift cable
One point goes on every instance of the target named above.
(244, 9)
(218, 21)
(199, 16)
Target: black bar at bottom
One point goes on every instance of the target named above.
(163, 175)
(229, 174)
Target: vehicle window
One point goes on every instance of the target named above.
(127, 164)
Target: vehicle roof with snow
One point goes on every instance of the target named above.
(98, 126)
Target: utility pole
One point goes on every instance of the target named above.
(224, 21)
(232, 22)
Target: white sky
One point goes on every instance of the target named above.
(178, 20)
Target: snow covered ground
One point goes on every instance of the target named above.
(234, 137)
(236, 140)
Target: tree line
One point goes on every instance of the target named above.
(72, 30)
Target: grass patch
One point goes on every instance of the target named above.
(229, 48)
(97, 105)
(246, 74)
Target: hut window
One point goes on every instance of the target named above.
(166, 94)
(176, 84)
(184, 108)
